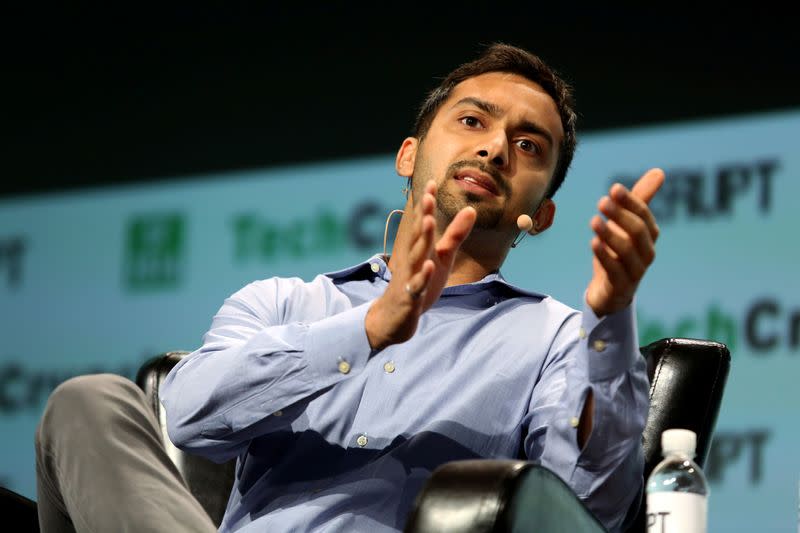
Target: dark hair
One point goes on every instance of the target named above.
(501, 57)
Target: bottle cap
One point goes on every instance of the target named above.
(678, 440)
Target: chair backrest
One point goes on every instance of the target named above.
(209, 482)
(687, 380)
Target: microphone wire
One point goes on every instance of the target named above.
(386, 229)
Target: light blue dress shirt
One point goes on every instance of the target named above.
(333, 436)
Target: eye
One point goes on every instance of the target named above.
(528, 146)
(470, 122)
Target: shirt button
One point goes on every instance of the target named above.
(574, 421)
(582, 333)
(361, 440)
(277, 413)
(599, 345)
(344, 367)
(389, 367)
(375, 267)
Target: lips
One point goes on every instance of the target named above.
(476, 178)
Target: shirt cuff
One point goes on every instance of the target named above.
(611, 342)
(338, 345)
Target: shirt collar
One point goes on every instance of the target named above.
(376, 266)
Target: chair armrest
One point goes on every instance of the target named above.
(487, 495)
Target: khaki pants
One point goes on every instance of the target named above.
(101, 466)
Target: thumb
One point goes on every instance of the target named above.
(457, 231)
(648, 184)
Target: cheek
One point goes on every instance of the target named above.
(447, 150)
(426, 169)
(525, 196)
(528, 200)
(536, 190)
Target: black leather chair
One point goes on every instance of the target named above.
(687, 380)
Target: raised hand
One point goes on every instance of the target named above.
(420, 271)
(624, 244)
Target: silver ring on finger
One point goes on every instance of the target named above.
(414, 294)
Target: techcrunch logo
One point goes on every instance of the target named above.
(711, 194)
(324, 232)
(747, 447)
(155, 249)
(766, 325)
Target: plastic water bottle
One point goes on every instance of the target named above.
(677, 491)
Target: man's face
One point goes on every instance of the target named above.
(493, 145)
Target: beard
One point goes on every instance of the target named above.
(450, 204)
(450, 200)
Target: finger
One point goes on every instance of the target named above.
(427, 205)
(627, 200)
(647, 186)
(622, 245)
(430, 188)
(422, 241)
(417, 284)
(455, 233)
(617, 275)
(422, 244)
(630, 223)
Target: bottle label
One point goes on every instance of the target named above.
(673, 512)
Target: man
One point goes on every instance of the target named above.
(340, 395)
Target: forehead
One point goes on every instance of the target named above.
(516, 96)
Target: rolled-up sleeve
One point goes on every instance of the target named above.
(597, 357)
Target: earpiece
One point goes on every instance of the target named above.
(407, 188)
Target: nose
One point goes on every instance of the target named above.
(494, 148)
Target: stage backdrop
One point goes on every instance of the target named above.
(98, 281)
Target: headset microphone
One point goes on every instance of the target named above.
(524, 223)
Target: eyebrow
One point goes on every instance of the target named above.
(495, 110)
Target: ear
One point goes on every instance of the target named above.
(543, 217)
(406, 157)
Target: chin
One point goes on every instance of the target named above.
(489, 217)
(449, 205)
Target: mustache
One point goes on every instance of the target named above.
(483, 167)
